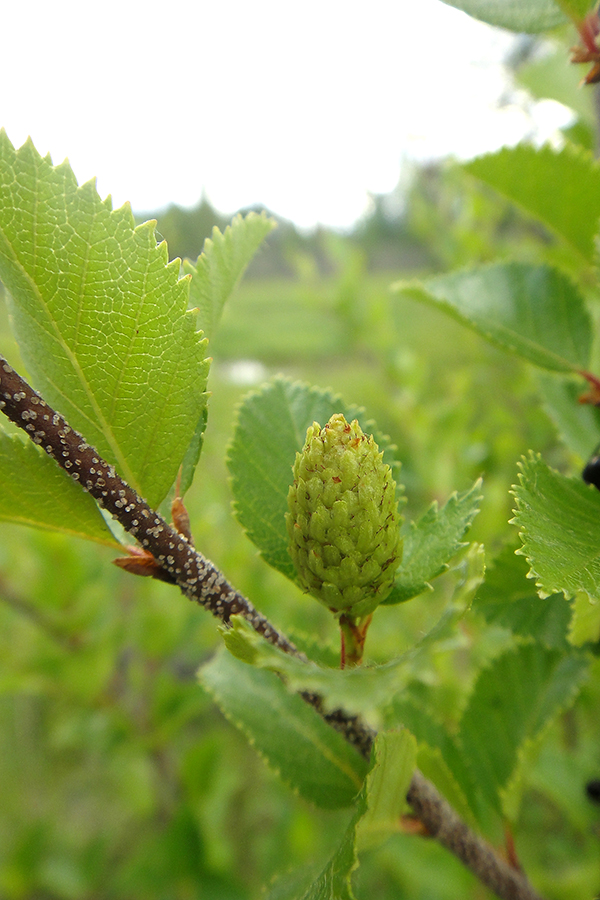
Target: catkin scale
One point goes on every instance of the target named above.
(343, 520)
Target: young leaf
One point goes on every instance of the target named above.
(292, 737)
(535, 312)
(101, 318)
(559, 524)
(222, 263)
(561, 189)
(532, 17)
(515, 699)
(36, 492)
(360, 689)
(508, 598)
(270, 429)
(432, 541)
(380, 805)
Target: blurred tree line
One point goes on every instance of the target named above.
(442, 218)
(438, 217)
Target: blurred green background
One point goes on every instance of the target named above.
(118, 776)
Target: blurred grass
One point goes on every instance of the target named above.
(118, 777)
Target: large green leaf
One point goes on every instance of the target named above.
(559, 524)
(533, 16)
(380, 805)
(535, 312)
(296, 742)
(431, 542)
(561, 189)
(36, 492)
(222, 263)
(514, 700)
(101, 319)
(270, 429)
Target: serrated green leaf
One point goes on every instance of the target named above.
(508, 598)
(559, 525)
(577, 424)
(222, 263)
(432, 541)
(289, 734)
(360, 689)
(535, 312)
(531, 17)
(514, 700)
(36, 492)
(571, 208)
(270, 429)
(381, 802)
(101, 318)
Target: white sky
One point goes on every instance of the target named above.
(302, 107)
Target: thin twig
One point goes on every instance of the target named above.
(201, 581)
(444, 824)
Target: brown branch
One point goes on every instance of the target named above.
(201, 581)
(444, 824)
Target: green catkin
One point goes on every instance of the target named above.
(343, 520)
